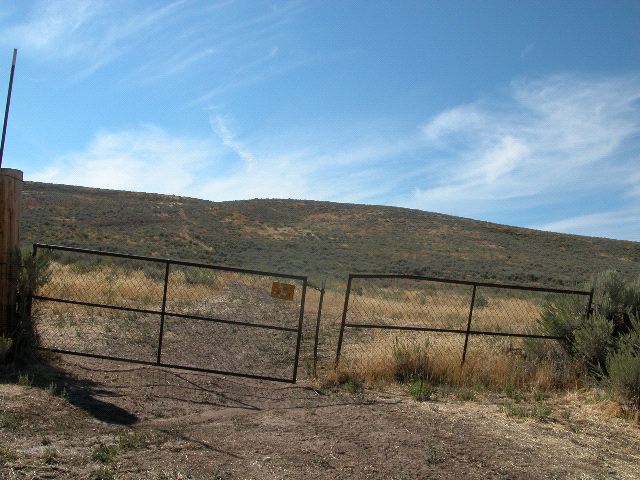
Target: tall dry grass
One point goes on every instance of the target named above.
(382, 356)
(390, 358)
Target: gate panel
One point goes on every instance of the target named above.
(391, 312)
(166, 312)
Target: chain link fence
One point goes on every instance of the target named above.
(172, 313)
(456, 320)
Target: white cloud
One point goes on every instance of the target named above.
(552, 138)
(147, 159)
(144, 159)
(219, 126)
(255, 176)
(222, 167)
(503, 158)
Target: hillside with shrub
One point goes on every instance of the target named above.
(320, 239)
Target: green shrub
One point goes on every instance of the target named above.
(618, 299)
(24, 379)
(434, 456)
(589, 339)
(561, 318)
(623, 364)
(593, 340)
(624, 375)
(480, 301)
(466, 394)
(104, 453)
(421, 391)
(200, 276)
(353, 386)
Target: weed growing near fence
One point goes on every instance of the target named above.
(421, 390)
(607, 345)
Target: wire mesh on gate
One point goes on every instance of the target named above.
(172, 313)
(454, 318)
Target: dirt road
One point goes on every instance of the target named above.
(92, 419)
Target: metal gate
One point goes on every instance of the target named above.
(454, 316)
(185, 315)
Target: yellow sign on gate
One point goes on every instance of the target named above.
(283, 291)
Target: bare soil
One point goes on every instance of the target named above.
(90, 419)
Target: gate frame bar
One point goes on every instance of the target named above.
(164, 313)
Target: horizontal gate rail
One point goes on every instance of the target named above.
(471, 283)
(182, 263)
(164, 364)
(165, 313)
(231, 322)
(448, 330)
(96, 305)
(345, 323)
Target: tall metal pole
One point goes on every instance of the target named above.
(6, 110)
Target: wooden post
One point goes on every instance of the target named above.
(10, 213)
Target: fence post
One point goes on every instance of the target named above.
(315, 341)
(164, 306)
(466, 337)
(300, 322)
(344, 319)
(10, 213)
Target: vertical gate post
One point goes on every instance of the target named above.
(315, 341)
(300, 322)
(164, 309)
(344, 318)
(466, 337)
(10, 213)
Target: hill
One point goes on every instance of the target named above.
(320, 239)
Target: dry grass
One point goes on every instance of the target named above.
(445, 307)
(389, 358)
(117, 285)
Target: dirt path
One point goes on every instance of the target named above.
(119, 421)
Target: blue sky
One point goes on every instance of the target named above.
(516, 112)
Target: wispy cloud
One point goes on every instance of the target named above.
(93, 33)
(118, 36)
(51, 27)
(550, 141)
